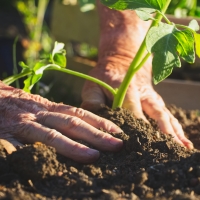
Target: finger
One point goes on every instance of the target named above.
(92, 97)
(15, 104)
(75, 128)
(7, 146)
(179, 131)
(34, 132)
(156, 110)
(132, 102)
(88, 117)
(24, 101)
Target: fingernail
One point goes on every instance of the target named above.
(116, 142)
(190, 146)
(92, 152)
(118, 130)
(115, 129)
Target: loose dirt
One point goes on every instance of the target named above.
(150, 166)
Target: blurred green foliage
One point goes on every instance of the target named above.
(184, 8)
(85, 5)
(39, 40)
(179, 8)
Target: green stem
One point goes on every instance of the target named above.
(165, 17)
(135, 65)
(118, 100)
(87, 77)
(142, 62)
(42, 5)
(13, 78)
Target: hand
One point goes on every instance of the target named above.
(27, 118)
(140, 98)
(121, 34)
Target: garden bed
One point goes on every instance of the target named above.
(150, 166)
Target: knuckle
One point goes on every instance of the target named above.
(75, 148)
(175, 121)
(177, 125)
(79, 112)
(41, 116)
(98, 135)
(73, 122)
(103, 123)
(51, 136)
(22, 130)
(160, 114)
(25, 132)
(53, 107)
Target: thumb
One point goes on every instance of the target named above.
(92, 97)
(132, 102)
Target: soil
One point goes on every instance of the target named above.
(150, 166)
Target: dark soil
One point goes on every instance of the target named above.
(150, 166)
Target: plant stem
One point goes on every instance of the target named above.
(56, 67)
(87, 77)
(136, 64)
(165, 18)
(13, 78)
(142, 62)
(42, 5)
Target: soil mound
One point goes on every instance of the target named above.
(150, 166)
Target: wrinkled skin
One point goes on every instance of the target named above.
(27, 118)
(122, 32)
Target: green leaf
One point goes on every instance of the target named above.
(143, 15)
(197, 43)
(152, 5)
(23, 65)
(59, 55)
(37, 73)
(194, 25)
(39, 67)
(15, 77)
(30, 82)
(165, 41)
(25, 68)
(185, 45)
(60, 60)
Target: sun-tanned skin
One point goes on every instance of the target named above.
(121, 34)
(30, 118)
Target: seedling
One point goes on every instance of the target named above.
(168, 42)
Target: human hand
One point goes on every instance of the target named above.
(28, 118)
(122, 32)
(140, 98)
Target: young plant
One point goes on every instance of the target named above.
(165, 40)
(168, 42)
(54, 61)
